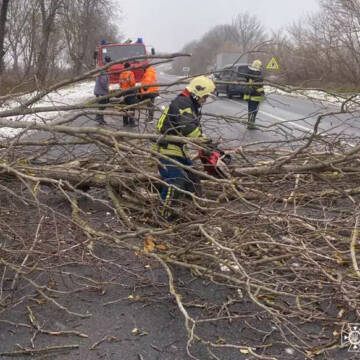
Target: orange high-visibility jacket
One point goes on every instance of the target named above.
(149, 78)
(127, 80)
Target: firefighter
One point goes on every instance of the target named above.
(152, 92)
(102, 89)
(181, 118)
(255, 91)
(127, 81)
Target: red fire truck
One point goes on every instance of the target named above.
(120, 51)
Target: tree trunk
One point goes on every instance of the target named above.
(48, 19)
(3, 15)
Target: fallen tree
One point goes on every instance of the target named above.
(281, 234)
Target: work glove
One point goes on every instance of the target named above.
(209, 144)
(205, 140)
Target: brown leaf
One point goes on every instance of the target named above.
(51, 284)
(149, 244)
(161, 247)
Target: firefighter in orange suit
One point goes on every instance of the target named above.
(127, 83)
(150, 92)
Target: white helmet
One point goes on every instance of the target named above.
(201, 86)
(256, 65)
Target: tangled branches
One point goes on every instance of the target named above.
(280, 235)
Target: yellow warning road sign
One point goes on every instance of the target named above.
(272, 65)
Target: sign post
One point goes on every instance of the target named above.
(186, 70)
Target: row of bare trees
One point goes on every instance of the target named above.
(327, 45)
(241, 36)
(323, 48)
(42, 38)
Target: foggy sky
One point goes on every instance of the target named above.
(168, 25)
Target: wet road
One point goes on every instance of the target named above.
(280, 117)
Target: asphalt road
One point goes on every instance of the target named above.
(280, 117)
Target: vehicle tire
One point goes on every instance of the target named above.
(228, 94)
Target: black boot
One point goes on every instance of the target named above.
(100, 119)
(151, 113)
(132, 122)
(125, 121)
(251, 121)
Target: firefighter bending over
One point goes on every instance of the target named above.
(181, 118)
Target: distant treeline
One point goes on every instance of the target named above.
(43, 40)
(321, 49)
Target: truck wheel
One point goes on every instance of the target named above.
(228, 93)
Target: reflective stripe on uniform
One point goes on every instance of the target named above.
(195, 133)
(162, 118)
(187, 110)
(170, 150)
(259, 90)
(254, 98)
(257, 98)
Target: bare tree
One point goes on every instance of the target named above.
(83, 25)
(48, 11)
(18, 32)
(242, 35)
(214, 41)
(3, 18)
(51, 34)
(246, 32)
(179, 63)
(344, 26)
(325, 48)
(22, 38)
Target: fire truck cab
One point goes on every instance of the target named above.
(121, 51)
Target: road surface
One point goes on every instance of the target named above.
(280, 118)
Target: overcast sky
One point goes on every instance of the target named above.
(168, 25)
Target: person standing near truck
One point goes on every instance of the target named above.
(255, 91)
(127, 81)
(150, 92)
(102, 89)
